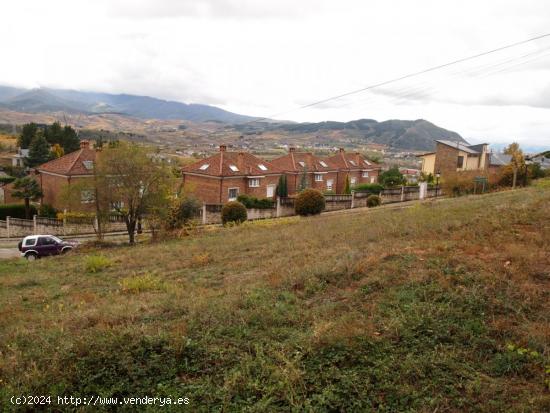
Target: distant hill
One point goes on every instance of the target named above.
(72, 101)
(400, 134)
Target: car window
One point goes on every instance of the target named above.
(30, 242)
(42, 241)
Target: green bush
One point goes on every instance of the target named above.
(15, 211)
(373, 201)
(182, 211)
(46, 210)
(97, 263)
(6, 179)
(370, 188)
(253, 202)
(233, 211)
(309, 202)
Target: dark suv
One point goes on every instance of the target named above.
(37, 246)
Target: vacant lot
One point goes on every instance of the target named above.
(440, 307)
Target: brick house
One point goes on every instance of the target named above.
(320, 173)
(224, 176)
(359, 169)
(450, 158)
(75, 168)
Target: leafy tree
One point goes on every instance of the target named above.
(517, 162)
(347, 185)
(28, 189)
(57, 151)
(28, 132)
(39, 151)
(132, 183)
(71, 141)
(282, 187)
(391, 177)
(309, 202)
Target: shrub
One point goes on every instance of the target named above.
(373, 201)
(233, 211)
(370, 188)
(182, 211)
(140, 283)
(6, 179)
(15, 211)
(309, 202)
(253, 202)
(392, 177)
(97, 263)
(46, 210)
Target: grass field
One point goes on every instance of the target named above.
(440, 307)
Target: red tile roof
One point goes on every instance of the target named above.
(347, 160)
(232, 164)
(71, 164)
(298, 161)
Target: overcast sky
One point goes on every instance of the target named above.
(265, 57)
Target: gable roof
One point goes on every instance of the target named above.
(348, 160)
(299, 161)
(232, 164)
(71, 164)
(460, 146)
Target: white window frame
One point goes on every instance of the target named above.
(318, 177)
(353, 163)
(353, 181)
(270, 188)
(234, 168)
(262, 167)
(302, 164)
(365, 174)
(330, 184)
(204, 167)
(323, 164)
(229, 197)
(252, 181)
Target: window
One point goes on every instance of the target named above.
(262, 167)
(302, 164)
(367, 163)
(46, 241)
(323, 164)
(330, 183)
(254, 182)
(30, 242)
(460, 162)
(372, 179)
(88, 164)
(270, 191)
(365, 174)
(353, 181)
(87, 196)
(233, 168)
(318, 178)
(233, 194)
(204, 167)
(353, 163)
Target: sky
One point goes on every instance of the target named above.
(269, 57)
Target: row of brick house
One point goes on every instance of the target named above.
(219, 178)
(226, 175)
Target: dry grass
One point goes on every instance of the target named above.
(371, 311)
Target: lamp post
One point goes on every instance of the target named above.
(437, 176)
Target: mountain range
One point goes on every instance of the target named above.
(400, 134)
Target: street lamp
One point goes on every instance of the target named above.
(437, 176)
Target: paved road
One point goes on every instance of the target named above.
(8, 253)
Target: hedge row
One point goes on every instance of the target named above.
(15, 211)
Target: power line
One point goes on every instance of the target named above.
(430, 69)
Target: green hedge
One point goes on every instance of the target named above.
(233, 211)
(253, 202)
(309, 202)
(15, 211)
(370, 188)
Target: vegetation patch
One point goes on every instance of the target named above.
(97, 263)
(140, 283)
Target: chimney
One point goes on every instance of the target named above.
(292, 149)
(309, 160)
(240, 161)
(223, 148)
(358, 158)
(341, 150)
(84, 144)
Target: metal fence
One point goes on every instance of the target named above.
(287, 202)
(54, 222)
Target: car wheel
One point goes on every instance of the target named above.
(65, 250)
(31, 256)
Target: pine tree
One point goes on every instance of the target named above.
(71, 141)
(282, 189)
(54, 133)
(347, 186)
(28, 132)
(39, 151)
(303, 180)
(28, 189)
